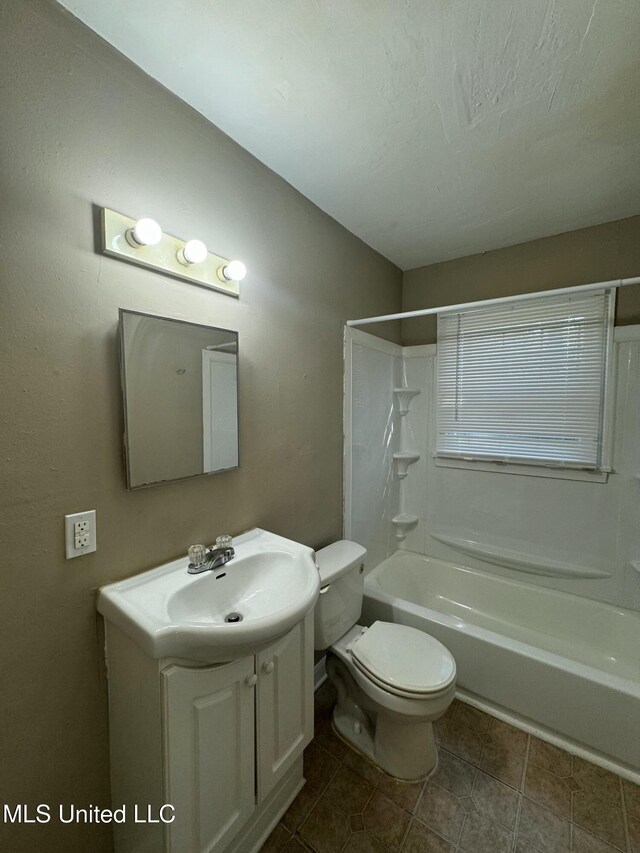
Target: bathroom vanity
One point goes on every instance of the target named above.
(218, 740)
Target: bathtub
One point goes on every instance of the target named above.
(568, 665)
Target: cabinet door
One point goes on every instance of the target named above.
(209, 719)
(284, 704)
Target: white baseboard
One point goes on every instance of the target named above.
(320, 673)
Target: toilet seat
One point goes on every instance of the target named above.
(403, 660)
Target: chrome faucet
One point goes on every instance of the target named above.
(203, 559)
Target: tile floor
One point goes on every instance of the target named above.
(496, 790)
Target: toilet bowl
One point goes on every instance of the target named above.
(392, 681)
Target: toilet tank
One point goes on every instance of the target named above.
(339, 604)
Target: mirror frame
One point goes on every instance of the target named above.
(123, 397)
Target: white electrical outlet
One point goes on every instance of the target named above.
(80, 533)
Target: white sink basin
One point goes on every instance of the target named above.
(271, 583)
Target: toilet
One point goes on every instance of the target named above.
(392, 681)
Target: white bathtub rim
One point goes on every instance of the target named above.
(549, 736)
(565, 664)
(405, 553)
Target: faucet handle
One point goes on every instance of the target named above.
(197, 555)
(225, 541)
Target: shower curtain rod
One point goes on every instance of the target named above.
(423, 312)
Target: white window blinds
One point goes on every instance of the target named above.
(526, 381)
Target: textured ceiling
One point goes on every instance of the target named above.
(431, 129)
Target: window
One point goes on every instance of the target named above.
(526, 381)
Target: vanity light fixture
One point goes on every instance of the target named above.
(146, 232)
(193, 252)
(233, 271)
(143, 242)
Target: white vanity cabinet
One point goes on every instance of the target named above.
(222, 744)
(209, 752)
(284, 705)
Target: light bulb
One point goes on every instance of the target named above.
(193, 252)
(233, 271)
(146, 232)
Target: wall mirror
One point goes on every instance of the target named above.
(180, 395)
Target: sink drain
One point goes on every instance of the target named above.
(233, 617)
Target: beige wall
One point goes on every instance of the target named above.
(81, 127)
(579, 257)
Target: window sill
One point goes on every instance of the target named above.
(523, 470)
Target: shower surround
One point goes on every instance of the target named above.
(575, 532)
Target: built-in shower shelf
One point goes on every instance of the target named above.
(403, 522)
(519, 560)
(402, 461)
(635, 564)
(404, 396)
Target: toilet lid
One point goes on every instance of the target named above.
(404, 658)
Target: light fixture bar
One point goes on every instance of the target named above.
(188, 260)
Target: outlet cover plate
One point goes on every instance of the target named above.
(70, 533)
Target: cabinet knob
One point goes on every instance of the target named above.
(250, 680)
(267, 666)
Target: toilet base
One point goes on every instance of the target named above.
(401, 745)
(394, 763)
